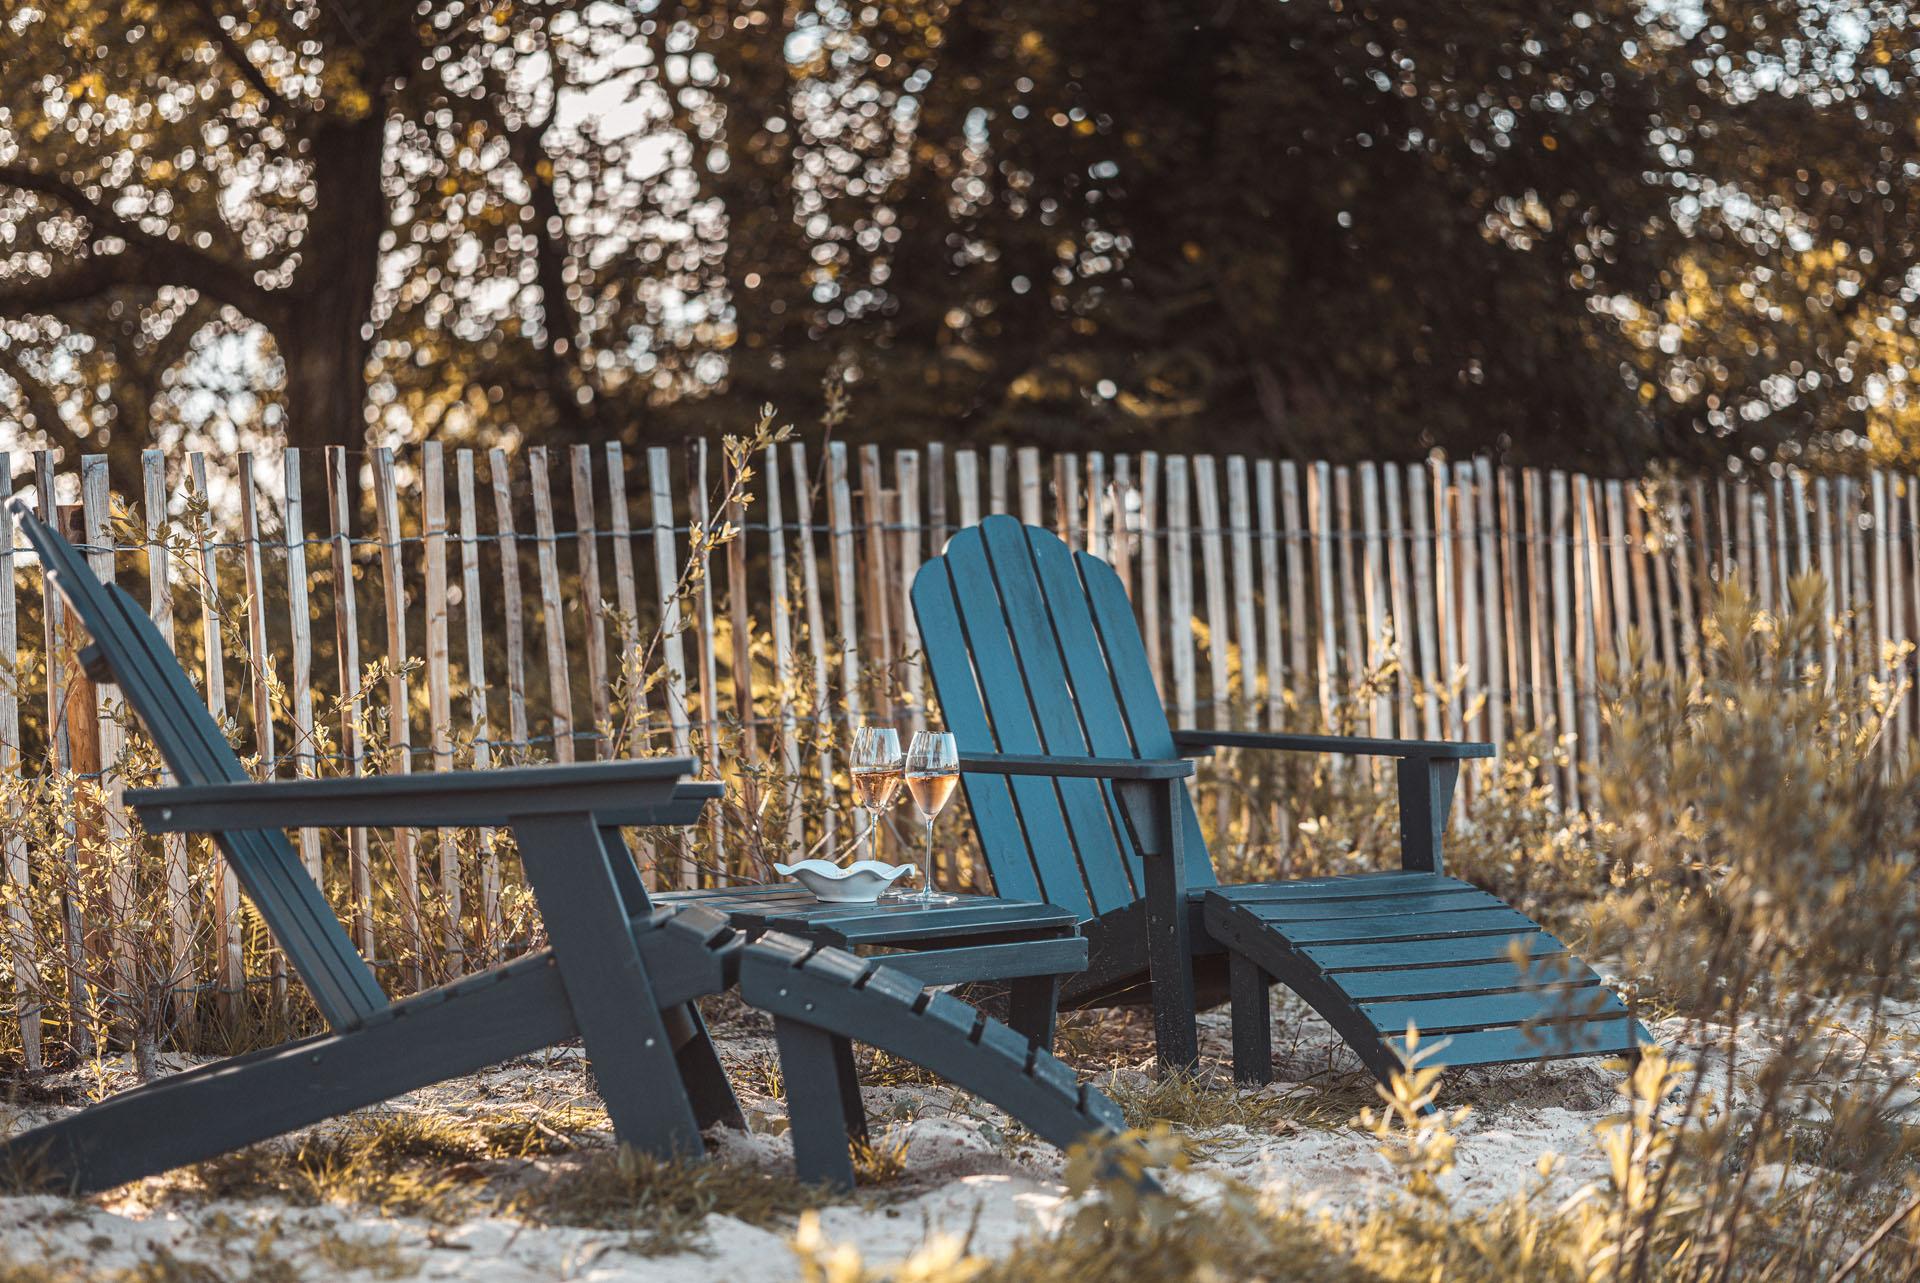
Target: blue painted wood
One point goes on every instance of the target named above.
(1079, 643)
(1043, 827)
(1447, 901)
(1356, 745)
(1052, 703)
(1426, 787)
(445, 798)
(1407, 927)
(1067, 767)
(1271, 952)
(1518, 1044)
(887, 923)
(1345, 886)
(1442, 981)
(1337, 958)
(697, 1062)
(1033, 1005)
(1247, 986)
(990, 798)
(628, 1046)
(1481, 1011)
(1139, 700)
(1169, 913)
(1048, 959)
(958, 1042)
(818, 1116)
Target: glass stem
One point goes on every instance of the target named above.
(926, 863)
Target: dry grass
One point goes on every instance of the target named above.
(1208, 1102)
(417, 1163)
(663, 1203)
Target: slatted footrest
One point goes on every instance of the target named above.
(861, 1000)
(1375, 953)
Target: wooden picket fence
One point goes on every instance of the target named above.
(1438, 599)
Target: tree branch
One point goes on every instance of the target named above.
(257, 79)
(41, 405)
(91, 278)
(150, 261)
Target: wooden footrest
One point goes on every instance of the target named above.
(1377, 953)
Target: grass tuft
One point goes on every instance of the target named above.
(665, 1202)
(425, 1164)
(1203, 1104)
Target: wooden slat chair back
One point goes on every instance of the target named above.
(128, 650)
(1051, 663)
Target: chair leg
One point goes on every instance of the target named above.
(846, 1077)
(1159, 824)
(1247, 988)
(704, 1077)
(628, 1047)
(816, 1067)
(1032, 1005)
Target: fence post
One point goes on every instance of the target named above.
(1149, 600)
(346, 625)
(1490, 596)
(906, 481)
(1180, 587)
(552, 606)
(176, 873)
(1397, 571)
(816, 634)
(1246, 633)
(1374, 590)
(511, 603)
(476, 657)
(1266, 503)
(586, 539)
(666, 569)
(399, 732)
(20, 944)
(627, 597)
(433, 531)
(259, 664)
(1212, 564)
(231, 968)
(783, 660)
(1566, 725)
(1031, 500)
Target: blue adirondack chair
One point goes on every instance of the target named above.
(621, 973)
(1075, 781)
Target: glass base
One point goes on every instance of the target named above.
(921, 897)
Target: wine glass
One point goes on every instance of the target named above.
(875, 765)
(933, 769)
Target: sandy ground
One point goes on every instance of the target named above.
(964, 1173)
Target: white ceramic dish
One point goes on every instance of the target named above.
(857, 883)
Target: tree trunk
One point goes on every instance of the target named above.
(324, 332)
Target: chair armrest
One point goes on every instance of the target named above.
(1098, 768)
(688, 803)
(624, 792)
(1202, 742)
